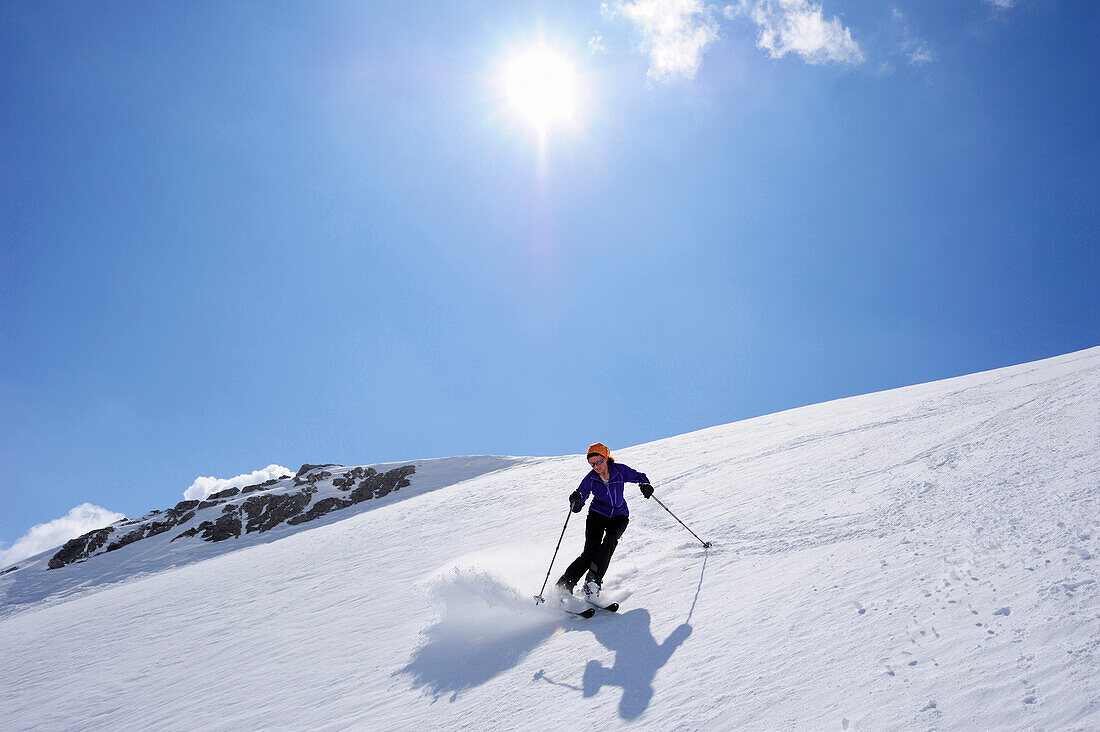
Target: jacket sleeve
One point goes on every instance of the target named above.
(630, 475)
(585, 489)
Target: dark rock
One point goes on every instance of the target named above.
(80, 548)
(150, 529)
(159, 527)
(174, 514)
(257, 513)
(222, 495)
(355, 475)
(376, 485)
(307, 467)
(227, 526)
(268, 511)
(126, 539)
(9, 569)
(307, 473)
(312, 478)
(319, 509)
(347, 481)
(261, 486)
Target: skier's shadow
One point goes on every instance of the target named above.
(638, 657)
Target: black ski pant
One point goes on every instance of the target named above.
(601, 536)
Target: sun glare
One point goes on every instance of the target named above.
(542, 88)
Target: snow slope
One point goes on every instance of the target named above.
(923, 558)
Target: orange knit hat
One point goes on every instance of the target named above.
(599, 449)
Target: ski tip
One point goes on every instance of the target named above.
(587, 613)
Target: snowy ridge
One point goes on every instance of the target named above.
(922, 558)
(317, 494)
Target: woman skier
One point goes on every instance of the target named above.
(607, 518)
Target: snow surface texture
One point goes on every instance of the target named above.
(924, 558)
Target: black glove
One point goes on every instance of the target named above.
(647, 489)
(576, 502)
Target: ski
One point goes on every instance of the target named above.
(586, 613)
(611, 607)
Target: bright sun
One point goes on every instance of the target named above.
(542, 88)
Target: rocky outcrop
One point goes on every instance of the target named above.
(265, 512)
(376, 485)
(320, 508)
(311, 474)
(261, 486)
(174, 518)
(309, 468)
(266, 506)
(226, 526)
(81, 547)
(362, 484)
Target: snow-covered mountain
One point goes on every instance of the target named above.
(921, 558)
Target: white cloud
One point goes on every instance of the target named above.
(920, 53)
(204, 486)
(674, 33)
(82, 519)
(799, 26)
(917, 51)
(595, 44)
(1002, 4)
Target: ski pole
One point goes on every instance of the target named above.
(706, 544)
(538, 598)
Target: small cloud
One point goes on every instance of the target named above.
(77, 522)
(674, 33)
(920, 53)
(1001, 4)
(800, 27)
(916, 50)
(204, 486)
(595, 44)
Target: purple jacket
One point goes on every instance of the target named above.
(608, 500)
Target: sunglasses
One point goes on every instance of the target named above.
(598, 463)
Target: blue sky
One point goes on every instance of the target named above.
(238, 234)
